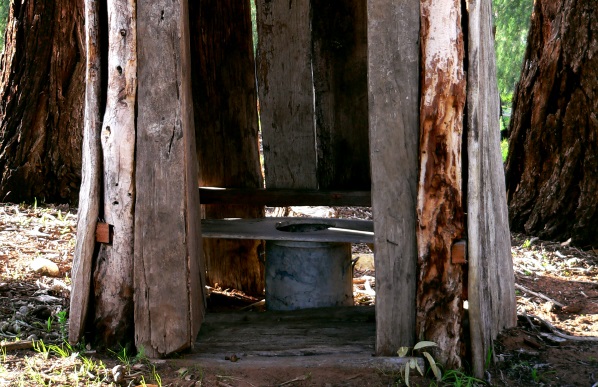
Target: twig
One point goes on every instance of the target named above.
(556, 332)
(297, 379)
(259, 303)
(523, 288)
(23, 344)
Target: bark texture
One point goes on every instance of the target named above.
(41, 101)
(225, 102)
(552, 167)
(439, 200)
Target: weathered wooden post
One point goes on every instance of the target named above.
(491, 284)
(439, 199)
(147, 278)
(393, 77)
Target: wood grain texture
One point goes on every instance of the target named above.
(225, 105)
(439, 207)
(169, 303)
(339, 31)
(285, 85)
(89, 194)
(393, 83)
(113, 272)
(284, 197)
(492, 305)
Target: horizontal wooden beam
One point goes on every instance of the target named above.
(284, 197)
(298, 229)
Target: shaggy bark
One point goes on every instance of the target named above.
(552, 165)
(41, 101)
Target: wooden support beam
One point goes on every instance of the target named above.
(283, 197)
(169, 283)
(393, 84)
(491, 284)
(89, 194)
(439, 200)
(113, 272)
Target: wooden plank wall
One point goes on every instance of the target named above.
(393, 84)
(169, 303)
(491, 290)
(312, 81)
(286, 93)
(226, 121)
(339, 31)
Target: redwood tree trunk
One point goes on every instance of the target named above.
(41, 101)
(226, 121)
(552, 165)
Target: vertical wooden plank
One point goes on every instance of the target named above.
(286, 94)
(439, 207)
(89, 194)
(225, 102)
(169, 302)
(113, 273)
(393, 83)
(491, 290)
(339, 31)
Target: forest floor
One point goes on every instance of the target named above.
(554, 344)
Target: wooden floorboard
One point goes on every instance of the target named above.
(342, 338)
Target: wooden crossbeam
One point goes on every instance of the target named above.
(283, 197)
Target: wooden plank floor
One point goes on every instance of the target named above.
(327, 346)
(307, 332)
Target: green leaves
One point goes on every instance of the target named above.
(512, 20)
(414, 364)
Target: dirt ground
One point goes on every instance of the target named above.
(554, 344)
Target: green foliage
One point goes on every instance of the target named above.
(4, 7)
(413, 363)
(512, 19)
(504, 149)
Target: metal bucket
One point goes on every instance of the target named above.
(302, 275)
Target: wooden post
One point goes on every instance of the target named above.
(284, 72)
(89, 194)
(439, 200)
(393, 74)
(491, 290)
(113, 272)
(226, 121)
(169, 303)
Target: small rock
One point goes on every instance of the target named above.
(24, 310)
(32, 338)
(45, 266)
(118, 374)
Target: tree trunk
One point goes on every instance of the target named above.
(225, 102)
(439, 201)
(552, 166)
(41, 101)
